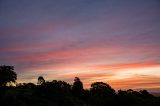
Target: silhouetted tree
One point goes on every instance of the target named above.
(26, 85)
(77, 87)
(40, 80)
(7, 75)
(102, 94)
(145, 94)
(101, 88)
(132, 98)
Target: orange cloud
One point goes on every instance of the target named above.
(136, 82)
(125, 65)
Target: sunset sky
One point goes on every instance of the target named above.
(114, 41)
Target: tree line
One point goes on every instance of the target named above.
(61, 93)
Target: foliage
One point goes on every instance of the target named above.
(61, 93)
(40, 80)
(7, 75)
(77, 88)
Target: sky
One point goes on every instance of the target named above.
(114, 41)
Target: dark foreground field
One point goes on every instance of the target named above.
(60, 93)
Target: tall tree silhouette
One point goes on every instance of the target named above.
(101, 88)
(102, 94)
(40, 80)
(77, 87)
(7, 75)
